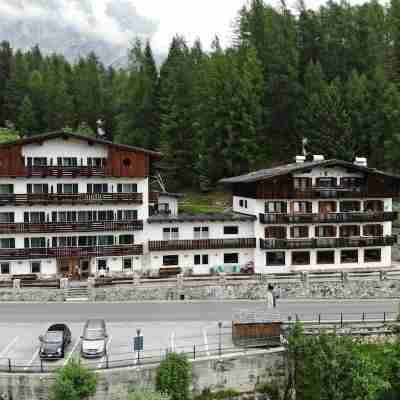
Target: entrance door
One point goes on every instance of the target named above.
(136, 263)
(84, 265)
(67, 267)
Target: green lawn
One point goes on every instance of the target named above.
(204, 203)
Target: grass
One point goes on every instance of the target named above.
(204, 203)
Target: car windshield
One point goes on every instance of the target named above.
(53, 337)
(94, 334)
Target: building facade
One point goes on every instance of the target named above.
(76, 206)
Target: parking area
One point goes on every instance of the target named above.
(19, 343)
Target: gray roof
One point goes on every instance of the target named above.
(264, 174)
(184, 217)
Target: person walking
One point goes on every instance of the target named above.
(271, 303)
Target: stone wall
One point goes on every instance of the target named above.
(44, 295)
(241, 372)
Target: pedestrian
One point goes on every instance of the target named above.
(270, 297)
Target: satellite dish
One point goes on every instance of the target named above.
(100, 129)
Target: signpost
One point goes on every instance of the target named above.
(138, 344)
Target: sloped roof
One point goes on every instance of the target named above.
(265, 174)
(63, 134)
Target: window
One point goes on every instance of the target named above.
(373, 206)
(102, 265)
(40, 162)
(201, 259)
(97, 188)
(231, 258)
(349, 256)
(67, 161)
(126, 215)
(372, 255)
(275, 207)
(300, 257)
(5, 268)
(231, 230)
(373, 230)
(6, 217)
(171, 260)
(6, 189)
(8, 243)
(96, 162)
(326, 182)
(350, 206)
(325, 231)
(37, 188)
(35, 217)
(87, 241)
(351, 182)
(327, 207)
(106, 240)
(201, 232)
(65, 241)
(297, 232)
(127, 264)
(127, 188)
(67, 216)
(67, 188)
(275, 232)
(34, 243)
(126, 239)
(325, 257)
(170, 233)
(349, 230)
(302, 207)
(35, 267)
(243, 203)
(302, 183)
(275, 258)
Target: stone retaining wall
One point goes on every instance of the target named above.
(240, 372)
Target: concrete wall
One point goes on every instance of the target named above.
(241, 372)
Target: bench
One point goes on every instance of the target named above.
(165, 272)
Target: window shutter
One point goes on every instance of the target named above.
(59, 161)
(26, 217)
(119, 188)
(75, 188)
(59, 188)
(26, 243)
(134, 188)
(105, 188)
(46, 188)
(29, 188)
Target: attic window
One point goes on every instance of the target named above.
(126, 162)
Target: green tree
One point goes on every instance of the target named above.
(74, 381)
(26, 122)
(6, 55)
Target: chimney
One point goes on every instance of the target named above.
(361, 162)
(300, 159)
(318, 157)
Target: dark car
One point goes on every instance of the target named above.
(54, 341)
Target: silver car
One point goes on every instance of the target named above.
(94, 339)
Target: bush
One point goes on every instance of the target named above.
(271, 389)
(147, 395)
(173, 376)
(226, 394)
(74, 382)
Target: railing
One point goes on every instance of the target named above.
(326, 218)
(60, 252)
(323, 243)
(50, 227)
(240, 243)
(327, 193)
(81, 198)
(64, 171)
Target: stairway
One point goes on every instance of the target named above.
(76, 294)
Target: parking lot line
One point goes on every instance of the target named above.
(108, 345)
(35, 354)
(206, 342)
(8, 347)
(72, 351)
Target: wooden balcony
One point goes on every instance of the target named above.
(53, 227)
(63, 252)
(58, 171)
(80, 198)
(324, 243)
(202, 244)
(328, 218)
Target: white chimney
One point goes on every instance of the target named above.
(361, 161)
(318, 157)
(300, 159)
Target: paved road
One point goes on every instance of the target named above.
(176, 311)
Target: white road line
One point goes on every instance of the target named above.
(172, 341)
(107, 352)
(35, 354)
(72, 351)
(8, 347)
(206, 342)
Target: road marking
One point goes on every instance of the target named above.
(206, 342)
(172, 341)
(35, 354)
(107, 352)
(72, 351)
(8, 347)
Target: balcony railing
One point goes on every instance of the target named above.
(202, 244)
(52, 227)
(62, 252)
(58, 171)
(330, 193)
(323, 243)
(79, 198)
(328, 218)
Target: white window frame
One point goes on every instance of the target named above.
(31, 267)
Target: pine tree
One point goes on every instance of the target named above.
(26, 122)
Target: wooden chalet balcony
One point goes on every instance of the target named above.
(328, 218)
(63, 252)
(79, 198)
(59, 171)
(324, 243)
(202, 244)
(52, 227)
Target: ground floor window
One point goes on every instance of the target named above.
(127, 264)
(349, 256)
(171, 260)
(275, 258)
(5, 268)
(35, 267)
(102, 264)
(201, 259)
(372, 255)
(301, 258)
(126, 239)
(231, 258)
(325, 257)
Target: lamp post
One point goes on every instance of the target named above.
(219, 338)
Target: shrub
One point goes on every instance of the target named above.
(173, 376)
(147, 395)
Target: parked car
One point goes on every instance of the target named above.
(54, 341)
(94, 338)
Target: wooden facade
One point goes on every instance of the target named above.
(11, 161)
(123, 163)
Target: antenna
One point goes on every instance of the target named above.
(100, 129)
(304, 143)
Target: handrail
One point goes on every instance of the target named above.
(239, 243)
